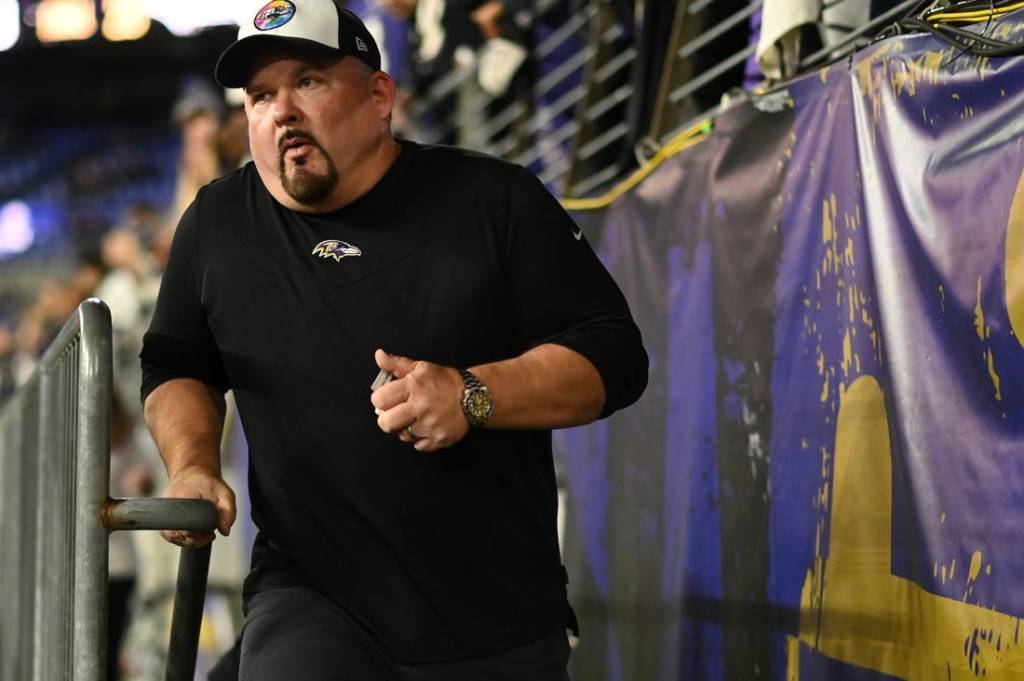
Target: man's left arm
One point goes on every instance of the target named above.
(586, 356)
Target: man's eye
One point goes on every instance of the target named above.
(259, 97)
(306, 82)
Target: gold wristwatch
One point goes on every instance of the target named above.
(476, 399)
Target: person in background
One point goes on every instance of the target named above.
(198, 113)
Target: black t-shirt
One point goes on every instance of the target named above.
(455, 258)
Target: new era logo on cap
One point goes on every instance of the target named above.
(360, 45)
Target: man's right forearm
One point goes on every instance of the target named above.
(186, 418)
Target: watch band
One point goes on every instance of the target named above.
(469, 379)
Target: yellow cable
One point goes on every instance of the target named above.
(684, 140)
(975, 15)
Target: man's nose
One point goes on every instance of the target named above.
(286, 110)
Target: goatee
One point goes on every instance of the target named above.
(303, 185)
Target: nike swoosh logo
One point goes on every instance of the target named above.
(578, 233)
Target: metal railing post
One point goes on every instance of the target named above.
(55, 515)
(189, 597)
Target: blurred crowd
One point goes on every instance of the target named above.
(123, 268)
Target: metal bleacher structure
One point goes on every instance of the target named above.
(573, 127)
(56, 515)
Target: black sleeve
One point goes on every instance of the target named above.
(179, 343)
(564, 295)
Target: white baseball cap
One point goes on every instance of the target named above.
(318, 26)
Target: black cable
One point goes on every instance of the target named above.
(944, 32)
(979, 44)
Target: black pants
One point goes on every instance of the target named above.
(297, 634)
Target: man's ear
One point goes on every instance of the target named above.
(382, 93)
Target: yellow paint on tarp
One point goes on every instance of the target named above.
(1014, 264)
(826, 223)
(792, 658)
(847, 354)
(979, 315)
(994, 376)
(870, 79)
(907, 74)
(853, 608)
(824, 390)
(952, 569)
(942, 298)
(975, 568)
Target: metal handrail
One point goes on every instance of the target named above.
(56, 515)
(718, 29)
(703, 79)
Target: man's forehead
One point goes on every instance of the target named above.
(287, 60)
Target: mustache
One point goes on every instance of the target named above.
(295, 134)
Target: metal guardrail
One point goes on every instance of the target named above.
(56, 514)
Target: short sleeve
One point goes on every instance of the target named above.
(179, 343)
(564, 295)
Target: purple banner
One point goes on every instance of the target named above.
(825, 479)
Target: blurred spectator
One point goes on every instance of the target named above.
(198, 113)
(488, 40)
(7, 382)
(214, 142)
(233, 140)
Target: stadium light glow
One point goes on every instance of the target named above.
(10, 24)
(124, 20)
(58, 20)
(187, 18)
(16, 233)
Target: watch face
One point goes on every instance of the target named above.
(478, 405)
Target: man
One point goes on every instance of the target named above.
(408, 533)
